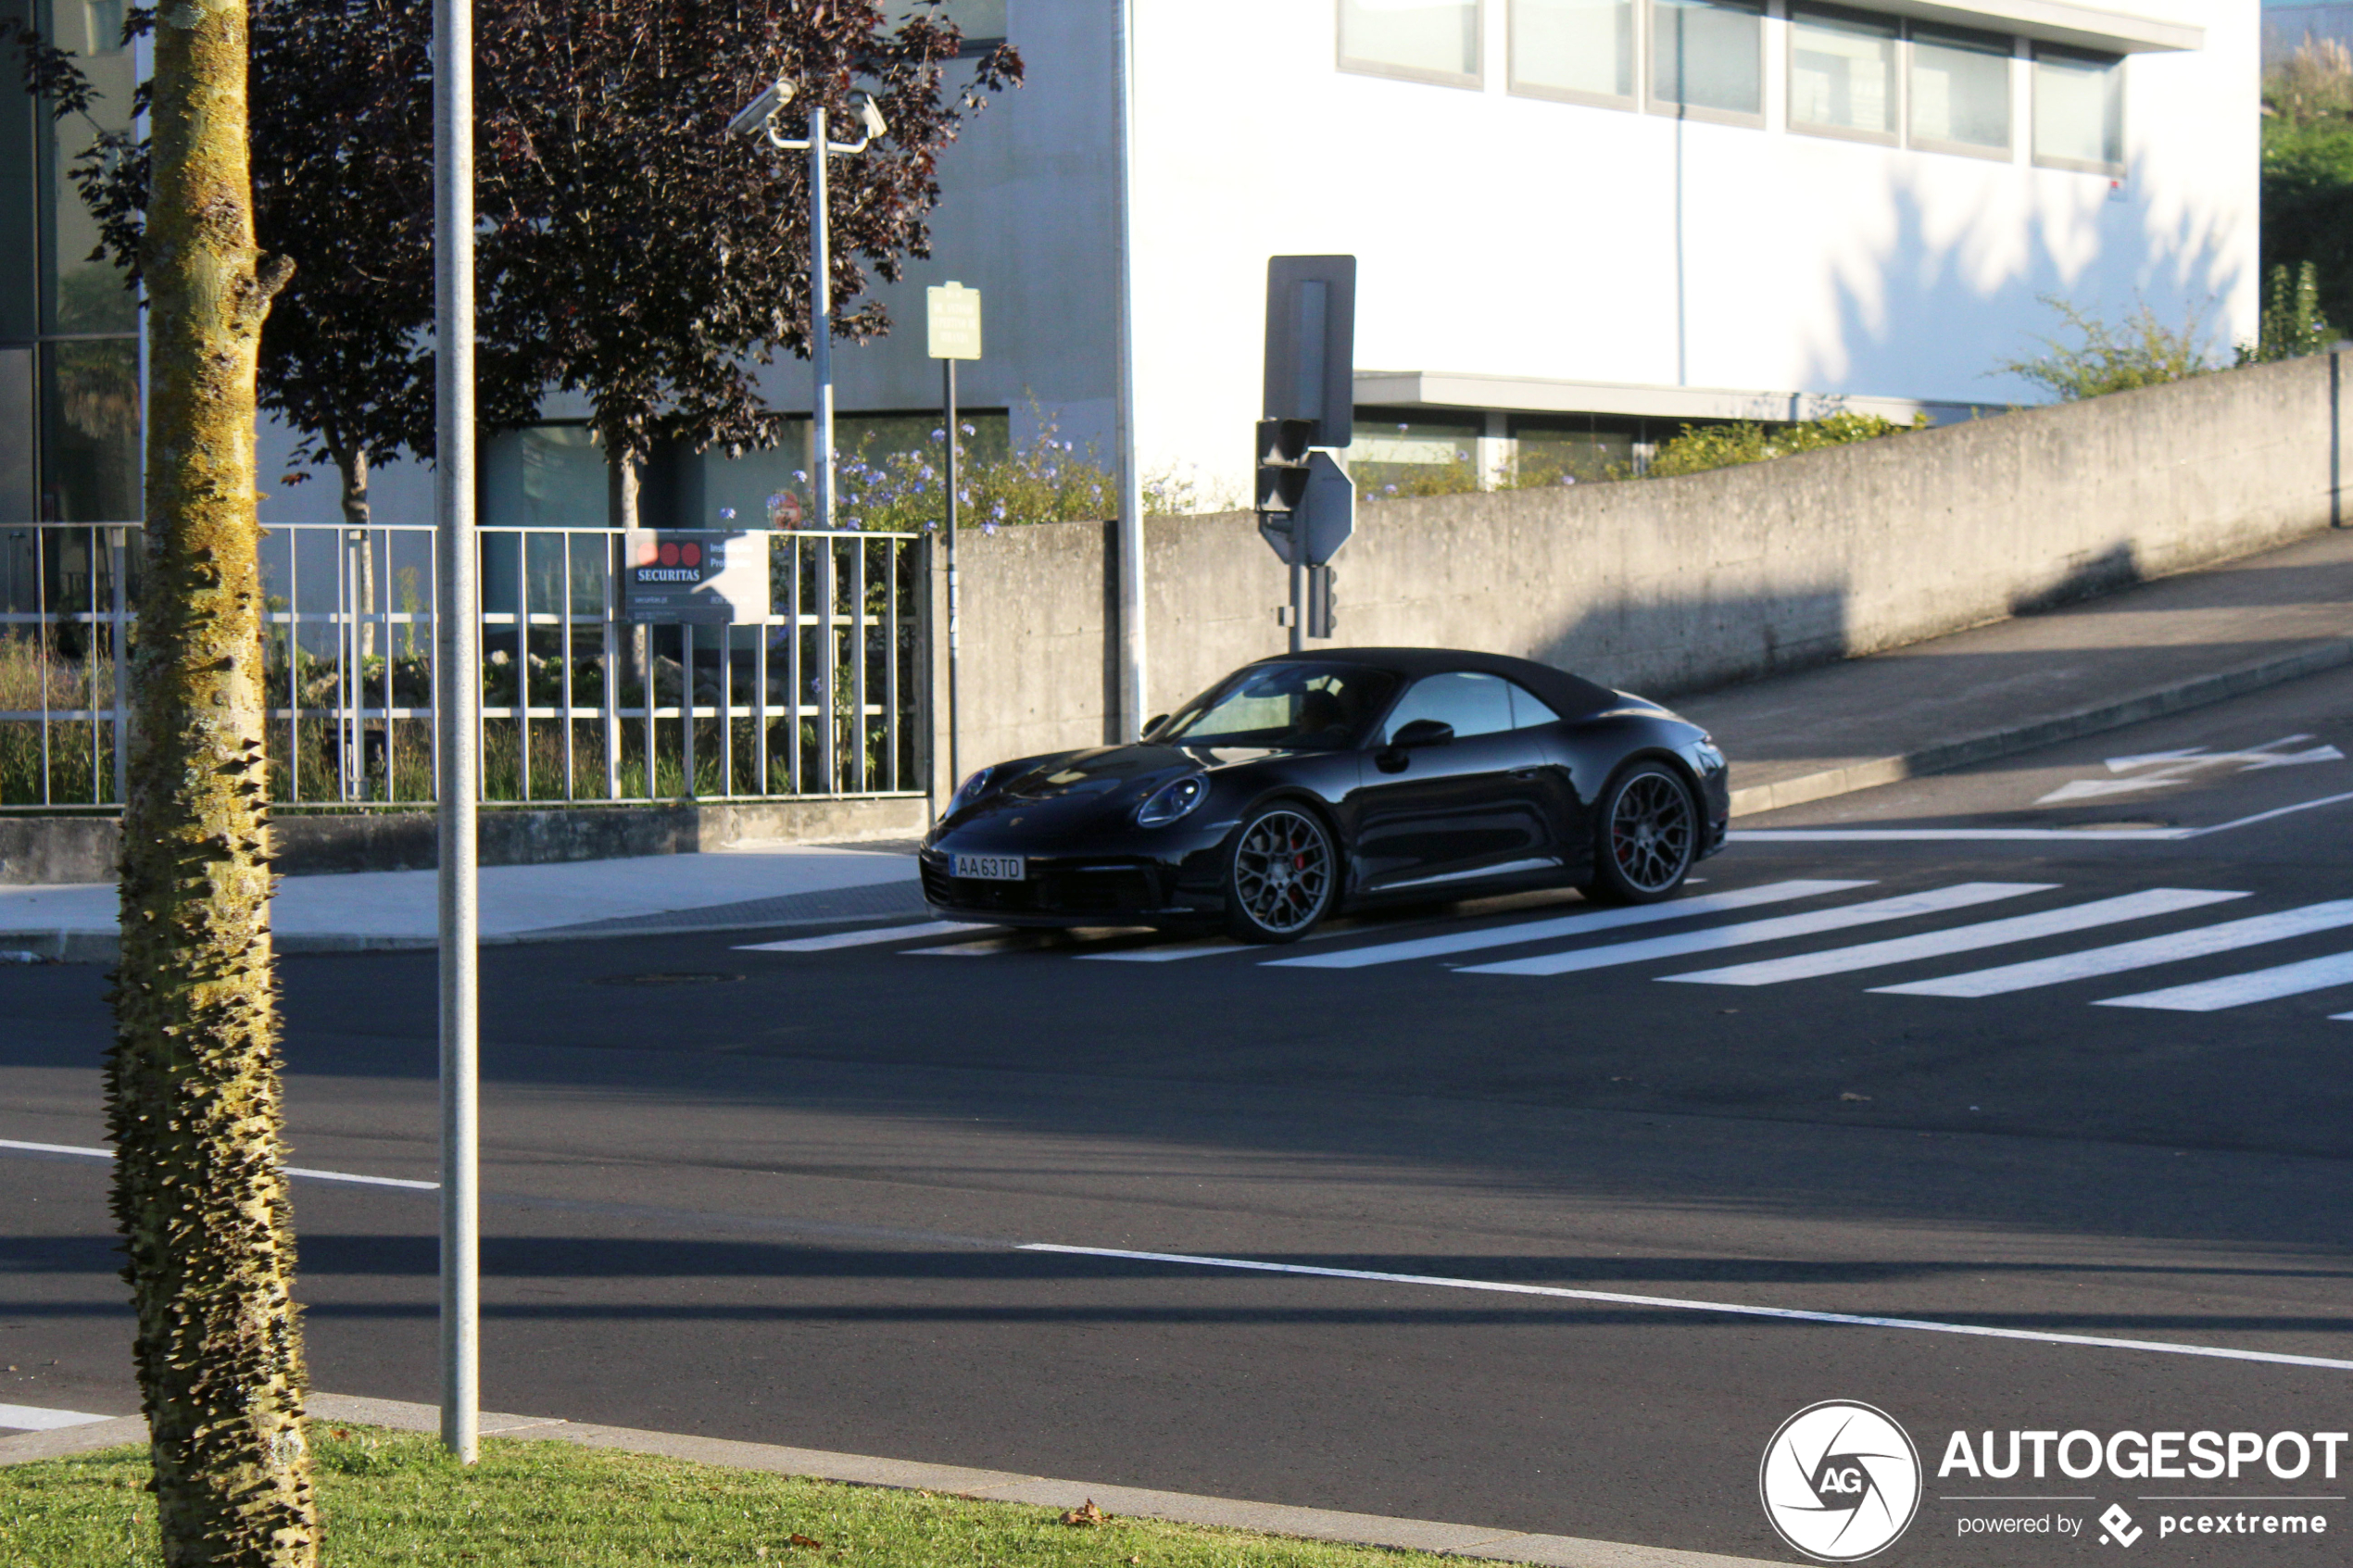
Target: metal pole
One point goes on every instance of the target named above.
(820, 326)
(1298, 603)
(1131, 488)
(116, 541)
(955, 651)
(458, 671)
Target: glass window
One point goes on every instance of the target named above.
(1474, 705)
(1571, 450)
(1578, 48)
(546, 476)
(90, 431)
(1396, 452)
(1961, 88)
(1437, 40)
(981, 21)
(1529, 710)
(1842, 73)
(2079, 110)
(1708, 55)
(16, 436)
(1283, 706)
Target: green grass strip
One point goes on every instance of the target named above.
(394, 1498)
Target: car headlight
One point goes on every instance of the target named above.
(1169, 802)
(970, 789)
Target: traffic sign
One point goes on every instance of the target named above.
(1319, 522)
(953, 319)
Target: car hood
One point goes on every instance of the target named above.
(1073, 790)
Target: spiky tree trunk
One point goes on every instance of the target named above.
(192, 1079)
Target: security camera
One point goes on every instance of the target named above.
(756, 115)
(873, 115)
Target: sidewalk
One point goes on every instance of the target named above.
(2165, 646)
(747, 885)
(2036, 680)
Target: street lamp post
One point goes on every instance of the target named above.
(761, 115)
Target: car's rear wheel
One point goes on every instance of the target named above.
(1281, 876)
(1646, 838)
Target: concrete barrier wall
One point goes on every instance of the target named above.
(1672, 586)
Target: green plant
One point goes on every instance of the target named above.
(1049, 480)
(2140, 350)
(2292, 324)
(1701, 448)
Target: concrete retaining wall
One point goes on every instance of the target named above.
(1678, 585)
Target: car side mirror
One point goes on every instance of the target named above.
(1423, 731)
(1154, 723)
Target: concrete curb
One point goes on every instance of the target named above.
(996, 1486)
(1946, 756)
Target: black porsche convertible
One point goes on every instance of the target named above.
(1311, 783)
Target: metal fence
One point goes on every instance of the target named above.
(825, 697)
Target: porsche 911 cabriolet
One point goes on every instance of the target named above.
(1310, 783)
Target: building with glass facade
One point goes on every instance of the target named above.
(1579, 224)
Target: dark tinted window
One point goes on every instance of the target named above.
(1474, 705)
(1527, 708)
(1301, 706)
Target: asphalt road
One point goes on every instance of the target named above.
(779, 1195)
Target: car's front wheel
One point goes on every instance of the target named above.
(1647, 837)
(1281, 876)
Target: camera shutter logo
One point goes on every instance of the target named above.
(1840, 1480)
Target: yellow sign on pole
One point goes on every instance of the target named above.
(954, 321)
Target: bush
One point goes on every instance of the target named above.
(2141, 350)
(1702, 447)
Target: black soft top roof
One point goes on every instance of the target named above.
(1570, 695)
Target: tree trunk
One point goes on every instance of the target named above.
(621, 512)
(193, 1099)
(353, 466)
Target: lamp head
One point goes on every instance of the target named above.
(756, 115)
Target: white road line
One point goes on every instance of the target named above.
(2238, 990)
(1906, 906)
(1168, 952)
(1959, 939)
(1566, 925)
(2340, 1018)
(987, 947)
(2143, 954)
(1996, 836)
(33, 1418)
(1680, 1304)
(861, 938)
(291, 1170)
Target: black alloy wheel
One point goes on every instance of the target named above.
(1281, 877)
(1648, 836)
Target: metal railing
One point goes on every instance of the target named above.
(826, 696)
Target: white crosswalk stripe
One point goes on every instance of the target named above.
(862, 938)
(2147, 953)
(1959, 939)
(33, 1418)
(1907, 905)
(1168, 952)
(2238, 990)
(1566, 925)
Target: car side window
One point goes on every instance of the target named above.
(1472, 704)
(1527, 708)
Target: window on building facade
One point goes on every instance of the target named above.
(1708, 57)
(1841, 74)
(2079, 110)
(1414, 452)
(1577, 49)
(1427, 40)
(70, 400)
(981, 21)
(1960, 91)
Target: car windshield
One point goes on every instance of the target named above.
(1289, 706)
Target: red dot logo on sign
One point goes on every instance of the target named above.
(690, 554)
(669, 553)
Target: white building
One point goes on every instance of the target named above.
(1577, 224)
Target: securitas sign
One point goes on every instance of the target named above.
(694, 577)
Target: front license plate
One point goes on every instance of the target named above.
(992, 868)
